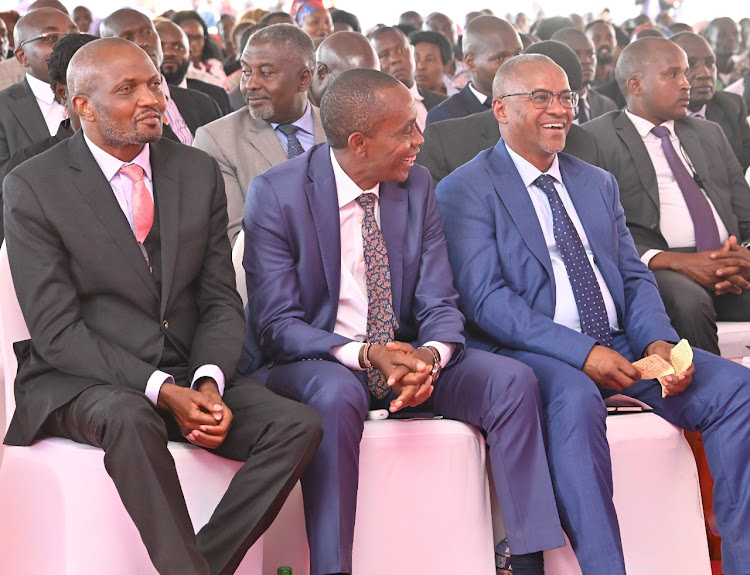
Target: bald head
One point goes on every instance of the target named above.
(54, 4)
(488, 42)
(136, 27)
(583, 47)
(701, 67)
(638, 57)
(32, 48)
(440, 23)
(338, 53)
(510, 76)
(92, 62)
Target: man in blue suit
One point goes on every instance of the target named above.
(548, 274)
(487, 43)
(351, 298)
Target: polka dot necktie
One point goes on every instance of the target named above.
(293, 147)
(589, 301)
(381, 321)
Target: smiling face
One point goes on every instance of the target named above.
(125, 105)
(318, 24)
(603, 37)
(535, 134)
(392, 149)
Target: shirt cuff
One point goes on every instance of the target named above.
(154, 383)
(348, 354)
(444, 349)
(649, 255)
(212, 371)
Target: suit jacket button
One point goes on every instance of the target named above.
(165, 324)
(653, 226)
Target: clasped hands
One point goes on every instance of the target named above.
(611, 370)
(406, 370)
(726, 270)
(201, 414)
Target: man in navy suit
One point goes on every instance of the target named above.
(487, 43)
(548, 274)
(351, 298)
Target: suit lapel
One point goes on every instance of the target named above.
(394, 213)
(490, 131)
(166, 182)
(512, 192)
(96, 190)
(263, 137)
(318, 132)
(27, 112)
(633, 141)
(324, 207)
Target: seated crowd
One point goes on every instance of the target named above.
(490, 227)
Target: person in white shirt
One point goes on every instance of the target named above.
(28, 110)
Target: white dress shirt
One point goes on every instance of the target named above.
(122, 187)
(481, 97)
(419, 103)
(351, 317)
(53, 111)
(566, 310)
(675, 221)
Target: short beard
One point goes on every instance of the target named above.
(120, 136)
(176, 77)
(604, 60)
(264, 113)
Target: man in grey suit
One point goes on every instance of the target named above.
(725, 108)
(449, 144)
(117, 245)
(279, 122)
(591, 104)
(685, 197)
(28, 110)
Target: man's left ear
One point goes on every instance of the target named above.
(305, 78)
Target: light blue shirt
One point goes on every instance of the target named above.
(305, 134)
(566, 311)
(122, 187)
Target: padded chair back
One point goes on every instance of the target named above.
(237, 252)
(12, 329)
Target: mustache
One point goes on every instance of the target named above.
(147, 112)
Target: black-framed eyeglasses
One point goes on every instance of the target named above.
(542, 99)
(49, 38)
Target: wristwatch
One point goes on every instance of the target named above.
(436, 365)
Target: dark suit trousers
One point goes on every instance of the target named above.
(497, 395)
(716, 403)
(275, 437)
(694, 310)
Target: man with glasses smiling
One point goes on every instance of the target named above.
(548, 274)
(28, 110)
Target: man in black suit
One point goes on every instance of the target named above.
(449, 144)
(187, 110)
(684, 193)
(28, 110)
(726, 109)
(119, 253)
(487, 43)
(396, 57)
(174, 66)
(591, 104)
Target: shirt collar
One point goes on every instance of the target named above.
(304, 123)
(183, 84)
(347, 190)
(699, 112)
(415, 92)
(42, 90)
(481, 97)
(528, 172)
(111, 165)
(644, 127)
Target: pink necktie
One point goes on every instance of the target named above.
(143, 203)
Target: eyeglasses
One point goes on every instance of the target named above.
(542, 99)
(328, 70)
(49, 38)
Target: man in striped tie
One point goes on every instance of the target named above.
(548, 274)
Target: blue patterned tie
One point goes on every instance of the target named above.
(589, 301)
(381, 321)
(293, 147)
